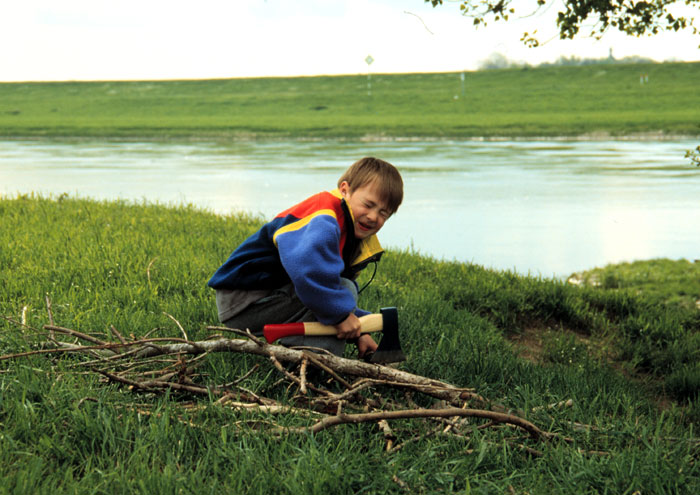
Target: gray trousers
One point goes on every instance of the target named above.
(283, 306)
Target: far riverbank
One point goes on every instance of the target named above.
(596, 102)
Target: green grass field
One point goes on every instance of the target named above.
(556, 101)
(623, 345)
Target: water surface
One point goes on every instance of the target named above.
(539, 207)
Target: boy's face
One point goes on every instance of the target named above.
(367, 207)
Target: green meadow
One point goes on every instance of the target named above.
(554, 101)
(622, 345)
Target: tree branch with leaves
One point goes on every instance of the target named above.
(630, 17)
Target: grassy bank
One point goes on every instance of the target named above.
(555, 101)
(610, 344)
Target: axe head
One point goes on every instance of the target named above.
(389, 349)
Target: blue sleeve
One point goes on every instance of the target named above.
(311, 257)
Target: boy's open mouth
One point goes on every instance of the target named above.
(364, 226)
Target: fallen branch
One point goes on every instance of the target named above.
(384, 374)
(494, 416)
(140, 365)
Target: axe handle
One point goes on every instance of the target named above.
(369, 323)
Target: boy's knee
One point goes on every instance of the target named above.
(351, 286)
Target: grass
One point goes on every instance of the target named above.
(555, 101)
(668, 282)
(614, 349)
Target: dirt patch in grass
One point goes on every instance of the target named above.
(541, 344)
(528, 343)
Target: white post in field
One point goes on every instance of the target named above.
(369, 61)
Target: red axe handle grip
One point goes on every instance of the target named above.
(369, 323)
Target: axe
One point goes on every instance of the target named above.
(386, 321)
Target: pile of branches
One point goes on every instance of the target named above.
(324, 389)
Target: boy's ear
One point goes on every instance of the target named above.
(344, 188)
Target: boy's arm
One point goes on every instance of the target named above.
(311, 256)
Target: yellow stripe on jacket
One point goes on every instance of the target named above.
(302, 222)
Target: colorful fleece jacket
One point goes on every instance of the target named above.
(312, 244)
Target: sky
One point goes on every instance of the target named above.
(65, 40)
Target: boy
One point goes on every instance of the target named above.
(301, 266)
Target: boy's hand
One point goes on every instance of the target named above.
(366, 345)
(349, 328)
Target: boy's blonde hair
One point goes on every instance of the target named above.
(369, 169)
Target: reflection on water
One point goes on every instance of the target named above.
(542, 207)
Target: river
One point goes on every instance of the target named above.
(543, 207)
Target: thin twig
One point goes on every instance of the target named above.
(243, 333)
(557, 405)
(178, 325)
(80, 348)
(124, 355)
(388, 434)
(286, 373)
(420, 19)
(254, 338)
(80, 335)
(451, 424)
(20, 324)
(109, 346)
(316, 362)
(249, 395)
(315, 350)
(302, 375)
(239, 380)
(529, 450)
(271, 409)
(148, 334)
(48, 310)
(353, 392)
(156, 384)
(117, 334)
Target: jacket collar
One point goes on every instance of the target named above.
(370, 249)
